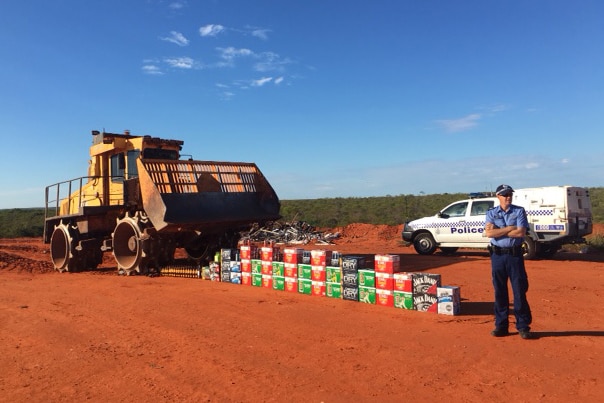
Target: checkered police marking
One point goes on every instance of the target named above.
(539, 212)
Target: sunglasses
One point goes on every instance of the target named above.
(507, 194)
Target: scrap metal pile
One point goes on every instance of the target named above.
(291, 233)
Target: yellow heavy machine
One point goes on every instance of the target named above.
(142, 202)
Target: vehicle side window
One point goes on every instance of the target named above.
(481, 207)
(456, 210)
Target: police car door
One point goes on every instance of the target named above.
(477, 220)
(451, 223)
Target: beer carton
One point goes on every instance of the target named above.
(257, 279)
(235, 277)
(350, 293)
(367, 295)
(269, 253)
(226, 255)
(318, 273)
(350, 279)
(305, 271)
(333, 274)
(267, 281)
(246, 278)
(266, 267)
(384, 281)
(366, 278)
(333, 290)
(318, 288)
(353, 263)
(292, 255)
(403, 299)
(320, 257)
(403, 282)
(387, 263)
(304, 286)
(449, 300)
(384, 297)
(246, 265)
(291, 284)
(235, 266)
(278, 283)
(290, 269)
(248, 252)
(278, 269)
(256, 266)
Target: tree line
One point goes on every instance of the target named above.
(324, 213)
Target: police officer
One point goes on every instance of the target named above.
(506, 225)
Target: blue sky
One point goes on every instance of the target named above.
(330, 98)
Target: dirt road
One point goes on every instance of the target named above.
(98, 336)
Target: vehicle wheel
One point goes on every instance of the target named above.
(63, 252)
(424, 244)
(529, 248)
(131, 245)
(449, 251)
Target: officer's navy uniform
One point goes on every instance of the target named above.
(507, 262)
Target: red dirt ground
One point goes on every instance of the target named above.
(98, 336)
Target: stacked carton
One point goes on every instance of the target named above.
(449, 300)
(367, 286)
(291, 258)
(403, 290)
(350, 276)
(246, 254)
(268, 254)
(385, 268)
(230, 271)
(425, 297)
(318, 267)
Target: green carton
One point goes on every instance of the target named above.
(366, 278)
(403, 299)
(333, 274)
(367, 294)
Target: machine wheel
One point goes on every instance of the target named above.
(63, 249)
(529, 248)
(448, 251)
(424, 244)
(131, 244)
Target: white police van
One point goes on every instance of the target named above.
(557, 215)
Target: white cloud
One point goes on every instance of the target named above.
(261, 33)
(177, 38)
(270, 61)
(177, 5)
(229, 54)
(279, 80)
(181, 62)
(211, 30)
(461, 124)
(261, 81)
(151, 69)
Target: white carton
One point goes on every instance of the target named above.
(449, 300)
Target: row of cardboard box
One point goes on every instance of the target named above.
(408, 290)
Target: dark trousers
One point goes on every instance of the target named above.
(504, 267)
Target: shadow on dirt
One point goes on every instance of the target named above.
(569, 333)
(476, 308)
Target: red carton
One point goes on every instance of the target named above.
(246, 278)
(403, 282)
(291, 284)
(318, 273)
(292, 255)
(267, 267)
(290, 270)
(384, 281)
(246, 265)
(387, 263)
(267, 281)
(248, 251)
(318, 288)
(384, 297)
(320, 257)
(269, 253)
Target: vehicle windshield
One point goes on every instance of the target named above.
(456, 210)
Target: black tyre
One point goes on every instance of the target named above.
(529, 248)
(424, 244)
(547, 251)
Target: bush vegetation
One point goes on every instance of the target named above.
(322, 213)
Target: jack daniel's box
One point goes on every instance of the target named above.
(425, 283)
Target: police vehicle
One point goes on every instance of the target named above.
(557, 215)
